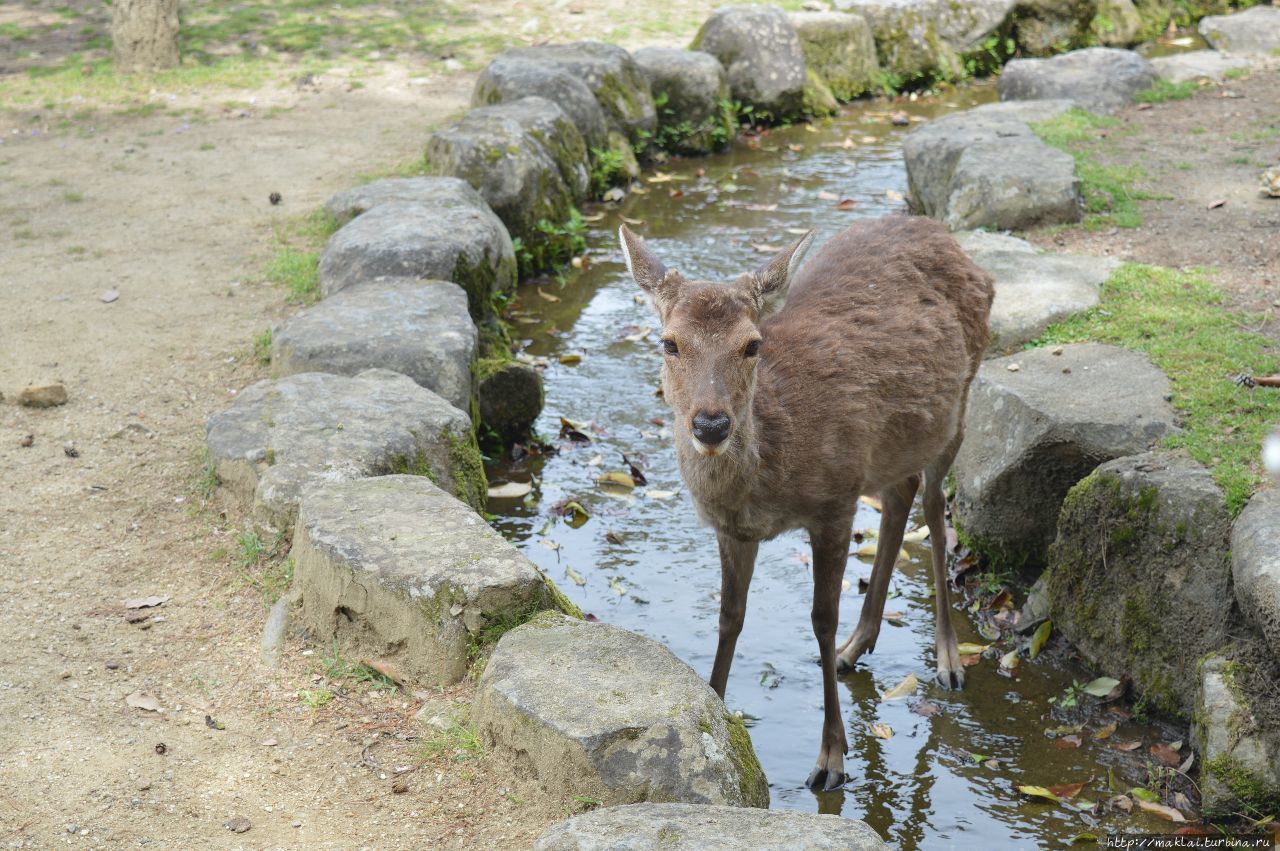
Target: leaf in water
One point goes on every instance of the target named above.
(593, 218)
(1067, 790)
(846, 204)
(915, 536)
(824, 195)
(571, 359)
(991, 764)
(1187, 763)
(636, 222)
(1009, 661)
(575, 515)
(613, 537)
(1064, 730)
(1039, 792)
(926, 708)
(657, 494)
(1126, 746)
(548, 296)
(1165, 754)
(616, 585)
(581, 262)
(596, 460)
(637, 475)
(549, 544)
(869, 140)
(1101, 687)
(989, 631)
(617, 478)
(762, 208)
(763, 248)
(968, 648)
(1144, 794)
(573, 431)
(1068, 742)
(1039, 638)
(1123, 802)
(871, 502)
(882, 731)
(1161, 810)
(968, 660)
(894, 195)
(144, 701)
(660, 177)
(1083, 838)
(574, 576)
(639, 335)
(1105, 731)
(510, 490)
(895, 618)
(906, 688)
(867, 550)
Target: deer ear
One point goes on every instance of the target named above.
(770, 283)
(647, 271)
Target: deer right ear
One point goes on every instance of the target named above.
(647, 271)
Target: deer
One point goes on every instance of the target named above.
(797, 390)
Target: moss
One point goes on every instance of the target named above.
(755, 789)
(480, 282)
(1254, 794)
(818, 99)
(469, 482)
(558, 599)
(417, 465)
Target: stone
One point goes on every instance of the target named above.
(1197, 65)
(560, 699)
(1255, 30)
(419, 328)
(1139, 575)
(43, 395)
(1117, 23)
(281, 436)
(1255, 565)
(402, 239)
(818, 97)
(839, 48)
(1238, 739)
(510, 399)
(761, 52)
(920, 40)
(690, 90)
(438, 192)
(986, 167)
(1046, 27)
(692, 827)
(1035, 290)
(611, 75)
(1099, 79)
(1031, 434)
(512, 77)
(517, 155)
(396, 570)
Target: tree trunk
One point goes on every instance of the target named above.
(144, 34)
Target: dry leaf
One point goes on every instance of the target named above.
(926, 708)
(846, 204)
(632, 221)
(882, 731)
(968, 648)
(1039, 792)
(1161, 810)
(1126, 746)
(574, 576)
(1066, 790)
(906, 688)
(142, 700)
(894, 617)
(968, 660)
(571, 359)
(548, 296)
(871, 502)
(617, 478)
(915, 536)
(146, 602)
(824, 195)
(510, 490)
(639, 335)
(657, 494)
(1165, 754)
(1067, 742)
(1105, 732)
(1213, 205)
(894, 195)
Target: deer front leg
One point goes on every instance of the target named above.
(737, 563)
(830, 552)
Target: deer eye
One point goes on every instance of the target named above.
(752, 349)
(669, 347)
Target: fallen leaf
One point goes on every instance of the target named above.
(1105, 731)
(613, 537)
(581, 262)
(574, 576)
(616, 585)
(1101, 687)
(871, 502)
(1009, 661)
(639, 335)
(146, 602)
(549, 544)
(1141, 793)
(657, 494)
(926, 708)
(968, 660)
(915, 536)
(593, 218)
(571, 359)
(632, 221)
(548, 296)
(1161, 810)
(617, 478)
(660, 177)
(968, 648)
(766, 249)
(869, 140)
(1213, 205)
(510, 490)
(906, 688)
(1068, 742)
(142, 700)
(894, 195)
(1039, 792)
(575, 514)
(1165, 754)
(637, 475)
(1124, 802)
(846, 204)
(882, 731)
(1067, 790)
(896, 618)
(1126, 746)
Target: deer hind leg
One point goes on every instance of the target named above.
(830, 552)
(896, 502)
(950, 669)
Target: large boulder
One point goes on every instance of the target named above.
(690, 827)
(465, 244)
(1139, 577)
(510, 399)
(986, 168)
(421, 329)
(1037, 423)
(1118, 23)
(1237, 731)
(512, 77)
(1100, 79)
(1035, 289)
(691, 91)
(1197, 65)
(284, 435)
(839, 48)
(1255, 565)
(1046, 27)
(439, 192)
(761, 52)
(594, 710)
(927, 39)
(1255, 30)
(394, 569)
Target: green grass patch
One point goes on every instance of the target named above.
(295, 263)
(1179, 321)
(259, 566)
(457, 743)
(262, 347)
(338, 668)
(1163, 90)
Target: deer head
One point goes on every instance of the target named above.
(711, 338)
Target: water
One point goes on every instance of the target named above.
(650, 567)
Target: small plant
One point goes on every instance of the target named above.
(1070, 698)
(458, 743)
(72, 197)
(297, 271)
(206, 478)
(338, 667)
(990, 56)
(251, 549)
(262, 347)
(552, 246)
(259, 569)
(314, 698)
(607, 166)
(1163, 90)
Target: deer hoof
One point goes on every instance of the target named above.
(951, 680)
(822, 780)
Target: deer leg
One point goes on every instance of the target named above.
(737, 563)
(950, 669)
(830, 552)
(896, 502)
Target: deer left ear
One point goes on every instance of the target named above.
(770, 283)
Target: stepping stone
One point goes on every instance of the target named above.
(1034, 431)
(1139, 577)
(591, 709)
(1255, 564)
(511, 77)
(689, 827)
(1118, 23)
(761, 53)
(926, 39)
(419, 328)
(1034, 289)
(467, 245)
(986, 168)
(281, 436)
(840, 49)
(397, 571)
(1099, 79)
(1197, 65)
(510, 399)
(1237, 733)
(439, 192)
(1255, 31)
(692, 87)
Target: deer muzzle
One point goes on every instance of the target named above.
(710, 431)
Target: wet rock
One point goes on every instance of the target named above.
(511, 398)
(1118, 23)
(1255, 30)
(401, 239)
(926, 39)
(1255, 565)
(284, 435)
(690, 89)
(396, 570)
(1034, 289)
(559, 699)
(818, 98)
(43, 396)
(1046, 27)
(761, 52)
(511, 77)
(686, 827)
(1099, 79)
(985, 167)
(1238, 739)
(840, 49)
(1197, 65)
(1140, 574)
(436, 192)
(419, 328)
(1031, 434)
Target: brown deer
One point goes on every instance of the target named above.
(797, 392)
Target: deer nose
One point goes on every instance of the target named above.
(710, 429)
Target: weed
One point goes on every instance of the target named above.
(316, 697)
(338, 667)
(72, 197)
(607, 166)
(262, 347)
(1163, 90)
(457, 743)
(297, 271)
(259, 568)
(207, 146)
(554, 245)
(1071, 697)
(1236, 73)
(206, 478)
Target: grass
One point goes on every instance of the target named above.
(205, 480)
(458, 743)
(1177, 318)
(295, 264)
(338, 668)
(314, 698)
(1163, 90)
(259, 567)
(262, 347)
(72, 197)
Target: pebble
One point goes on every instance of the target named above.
(238, 824)
(43, 396)
(144, 784)
(109, 296)
(296, 823)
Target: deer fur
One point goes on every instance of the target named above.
(846, 377)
